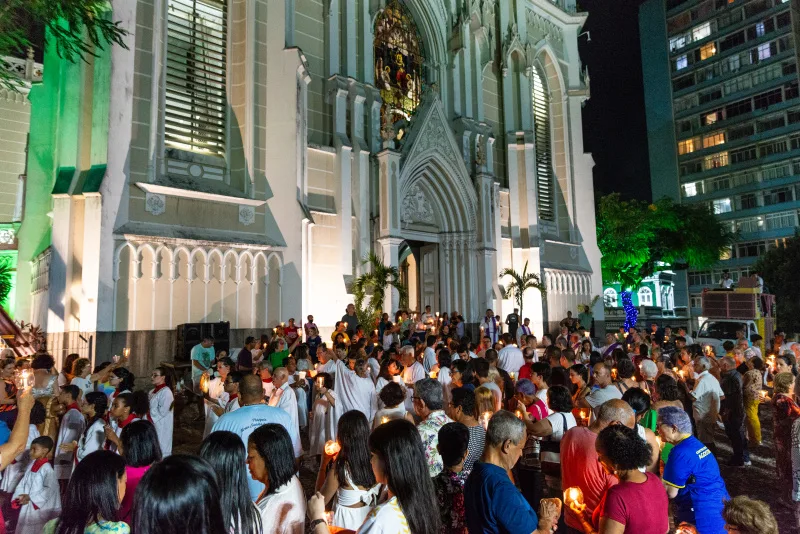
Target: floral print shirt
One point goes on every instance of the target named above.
(429, 432)
(449, 488)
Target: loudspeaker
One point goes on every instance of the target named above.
(190, 334)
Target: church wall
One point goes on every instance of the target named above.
(321, 184)
(328, 295)
(493, 117)
(310, 38)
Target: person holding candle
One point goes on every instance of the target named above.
(785, 413)
(553, 427)
(37, 495)
(72, 426)
(94, 408)
(691, 474)
(429, 356)
(579, 462)
(579, 376)
(392, 397)
(528, 471)
(604, 392)
(429, 407)
(510, 358)
(323, 422)
(215, 394)
(493, 504)
(347, 479)
(623, 453)
(398, 463)
(707, 397)
(127, 408)
(66, 375)
(244, 362)
(284, 397)
(751, 389)
(202, 355)
(639, 401)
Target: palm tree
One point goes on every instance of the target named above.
(375, 283)
(520, 283)
(6, 280)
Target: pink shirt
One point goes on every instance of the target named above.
(580, 468)
(135, 474)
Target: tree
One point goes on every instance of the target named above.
(75, 27)
(779, 268)
(638, 239)
(6, 280)
(520, 283)
(373, 284)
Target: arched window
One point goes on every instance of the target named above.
(398, 63)
(610, 298)
(645, 296)
(545, 192)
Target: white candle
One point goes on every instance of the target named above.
(485, 416)
(397, 379)
(302, 375)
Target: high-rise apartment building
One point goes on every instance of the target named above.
(723, 120)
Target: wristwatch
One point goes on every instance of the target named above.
(316, 522)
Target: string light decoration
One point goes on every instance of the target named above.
(631, 313)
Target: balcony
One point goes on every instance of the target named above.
(27, 70)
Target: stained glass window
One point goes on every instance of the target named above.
(398, 62)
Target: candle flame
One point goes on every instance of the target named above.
(384, 420)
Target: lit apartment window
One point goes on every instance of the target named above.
(715, 161)
(690, 189)
(764, 51)
(686, 147)
(701, 32)
(711, 118)
(194, 119)
(681, 62)
(707, 50)
(676, 43)
(713, 140)
(722, 205)
(759, 29)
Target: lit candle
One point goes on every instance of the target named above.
(573, 496)
(433, 374)
(513, 375)
(584, 417)
(332, 448)
(312, 373)
(485, 416)
(614, 374)
(682, 373)
(204, 383)
(660, 442)
(126, 352)
(437, 315)
(328, 518)
(675, 370)
(519, 414)
(302, 375)
(384, 420)
(763, 395)
(282, 324)
(25, 375)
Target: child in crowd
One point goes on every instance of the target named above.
(37, 496)
(14, 472)
(72, 426)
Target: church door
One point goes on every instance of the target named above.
(429, 277)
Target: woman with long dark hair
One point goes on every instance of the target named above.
(93, 495)
(270, 457)
(162, 402)
(126, 408)
(349, 477)
(94, 408)
(398, 461)
(122, 380)
(179, 494)
(226, 454)
(140, 450)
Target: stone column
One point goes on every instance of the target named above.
(388, 193)
(391, 257)
(337, 96)
(360, 170)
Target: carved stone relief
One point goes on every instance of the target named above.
(247, 215)
(155, 204)
(416, 208)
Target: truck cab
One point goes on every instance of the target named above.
(727, 311)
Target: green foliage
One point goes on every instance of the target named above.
(637, 239)
(75, 27)
(373, 285)
(520, 283)
(6, 280)
(779, 268)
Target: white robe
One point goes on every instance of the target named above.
(323, 424)
(446, 380)
(216, 391)
(374, 368)
(162, 417)
(14, 472)
(92, 440)
(302, 403)
(42, 488)
(72, 426)
(287, 401)
(233, 405)
(412, 375)
(354, 393)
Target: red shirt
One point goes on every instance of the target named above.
(580, 468)
(537, 410)
(624, 504)
(525, 371)
(291, 333)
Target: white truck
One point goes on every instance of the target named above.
(741, 309)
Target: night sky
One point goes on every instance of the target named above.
(615, 129)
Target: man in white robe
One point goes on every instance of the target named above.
(490, 326)
(355, 390)
(283, 397)
(72, 426)
(37, 494)
(413, 373)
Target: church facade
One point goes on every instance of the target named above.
(241, 157)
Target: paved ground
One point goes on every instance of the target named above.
(757, 481)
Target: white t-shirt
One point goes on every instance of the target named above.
(598, 396)
(510, 359)
(541, 394)
(286, 508)
(429, 359)
(84, 384)
(706, 395)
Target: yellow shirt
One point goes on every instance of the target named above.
(344, 336)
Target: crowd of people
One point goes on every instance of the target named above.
(414, 428)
